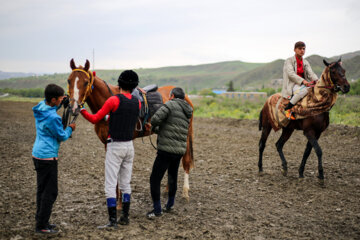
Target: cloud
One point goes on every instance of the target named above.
(143, 33)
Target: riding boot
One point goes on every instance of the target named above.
(112, 219)
(124, 218)
(289, 106)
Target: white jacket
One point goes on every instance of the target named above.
(290, 78)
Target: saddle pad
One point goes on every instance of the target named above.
(154, 100)
(315, 102)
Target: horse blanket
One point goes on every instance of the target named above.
(318, 100)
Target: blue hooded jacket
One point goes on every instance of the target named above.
(49, 131)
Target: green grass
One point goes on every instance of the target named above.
(346, 111)
(227, 108)
(20, 99)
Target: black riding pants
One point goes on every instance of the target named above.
(47, 190)
(164, 161)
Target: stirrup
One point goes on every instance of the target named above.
(289, 115)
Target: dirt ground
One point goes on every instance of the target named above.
(228, 199)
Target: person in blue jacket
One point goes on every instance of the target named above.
(49, 134)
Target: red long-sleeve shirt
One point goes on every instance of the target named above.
(110, 105)
(300, 67)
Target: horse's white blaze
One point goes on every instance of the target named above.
(76, 94)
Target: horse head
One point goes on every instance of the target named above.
(80, 83)
(337, 75)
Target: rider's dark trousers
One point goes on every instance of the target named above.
(164, 161)
(47, 190)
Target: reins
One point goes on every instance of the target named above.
(331, 85)
(89, 87)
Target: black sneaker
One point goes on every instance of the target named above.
(168, 209)
(51, 226)
(110, 225)
(152, 214)
(46, 230)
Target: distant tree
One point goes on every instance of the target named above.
(230, 87)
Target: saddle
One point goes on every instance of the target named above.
(150, 99)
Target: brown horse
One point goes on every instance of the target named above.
(312, 126)
(84, 87)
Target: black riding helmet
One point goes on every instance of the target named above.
(128, 80)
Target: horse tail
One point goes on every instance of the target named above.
(189, 149)
(190, 136)
(260, 120)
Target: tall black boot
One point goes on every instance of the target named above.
(289, 106)
(124, 218)
(112, 218)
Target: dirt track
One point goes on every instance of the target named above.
(228, 199)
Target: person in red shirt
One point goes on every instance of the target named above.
(296, 78)
(123, 109)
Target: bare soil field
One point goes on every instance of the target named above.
(228, 199)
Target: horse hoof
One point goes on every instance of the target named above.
(284, 172)
(321, 182)
(119, 207)
(261, 173)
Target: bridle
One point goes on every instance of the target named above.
(89, 87)
(331, 85)
(66, 118)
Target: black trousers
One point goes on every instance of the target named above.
(164, 161)
(47, 190)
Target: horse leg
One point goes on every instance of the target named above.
(305, 157)
(262, 143)
(186, 186)
(313, 139)
(285, 135)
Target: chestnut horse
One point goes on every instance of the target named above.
(312, 126)
(84, 87)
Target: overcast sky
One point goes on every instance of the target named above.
(43, 35)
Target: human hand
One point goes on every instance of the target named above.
(73, 126)
(148, 126)
(66, 101)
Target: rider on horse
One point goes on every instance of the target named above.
(297, 77)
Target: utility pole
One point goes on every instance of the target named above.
(93, 59)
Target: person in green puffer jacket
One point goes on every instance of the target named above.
(171, 123)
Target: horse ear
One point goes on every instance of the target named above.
(339, 60)
(326, 63)
(72, 64)
(87, 65)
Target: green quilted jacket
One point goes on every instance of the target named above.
(171, 123)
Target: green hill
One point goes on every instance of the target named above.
(262, 76)
(245, 76)
(189, 77)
